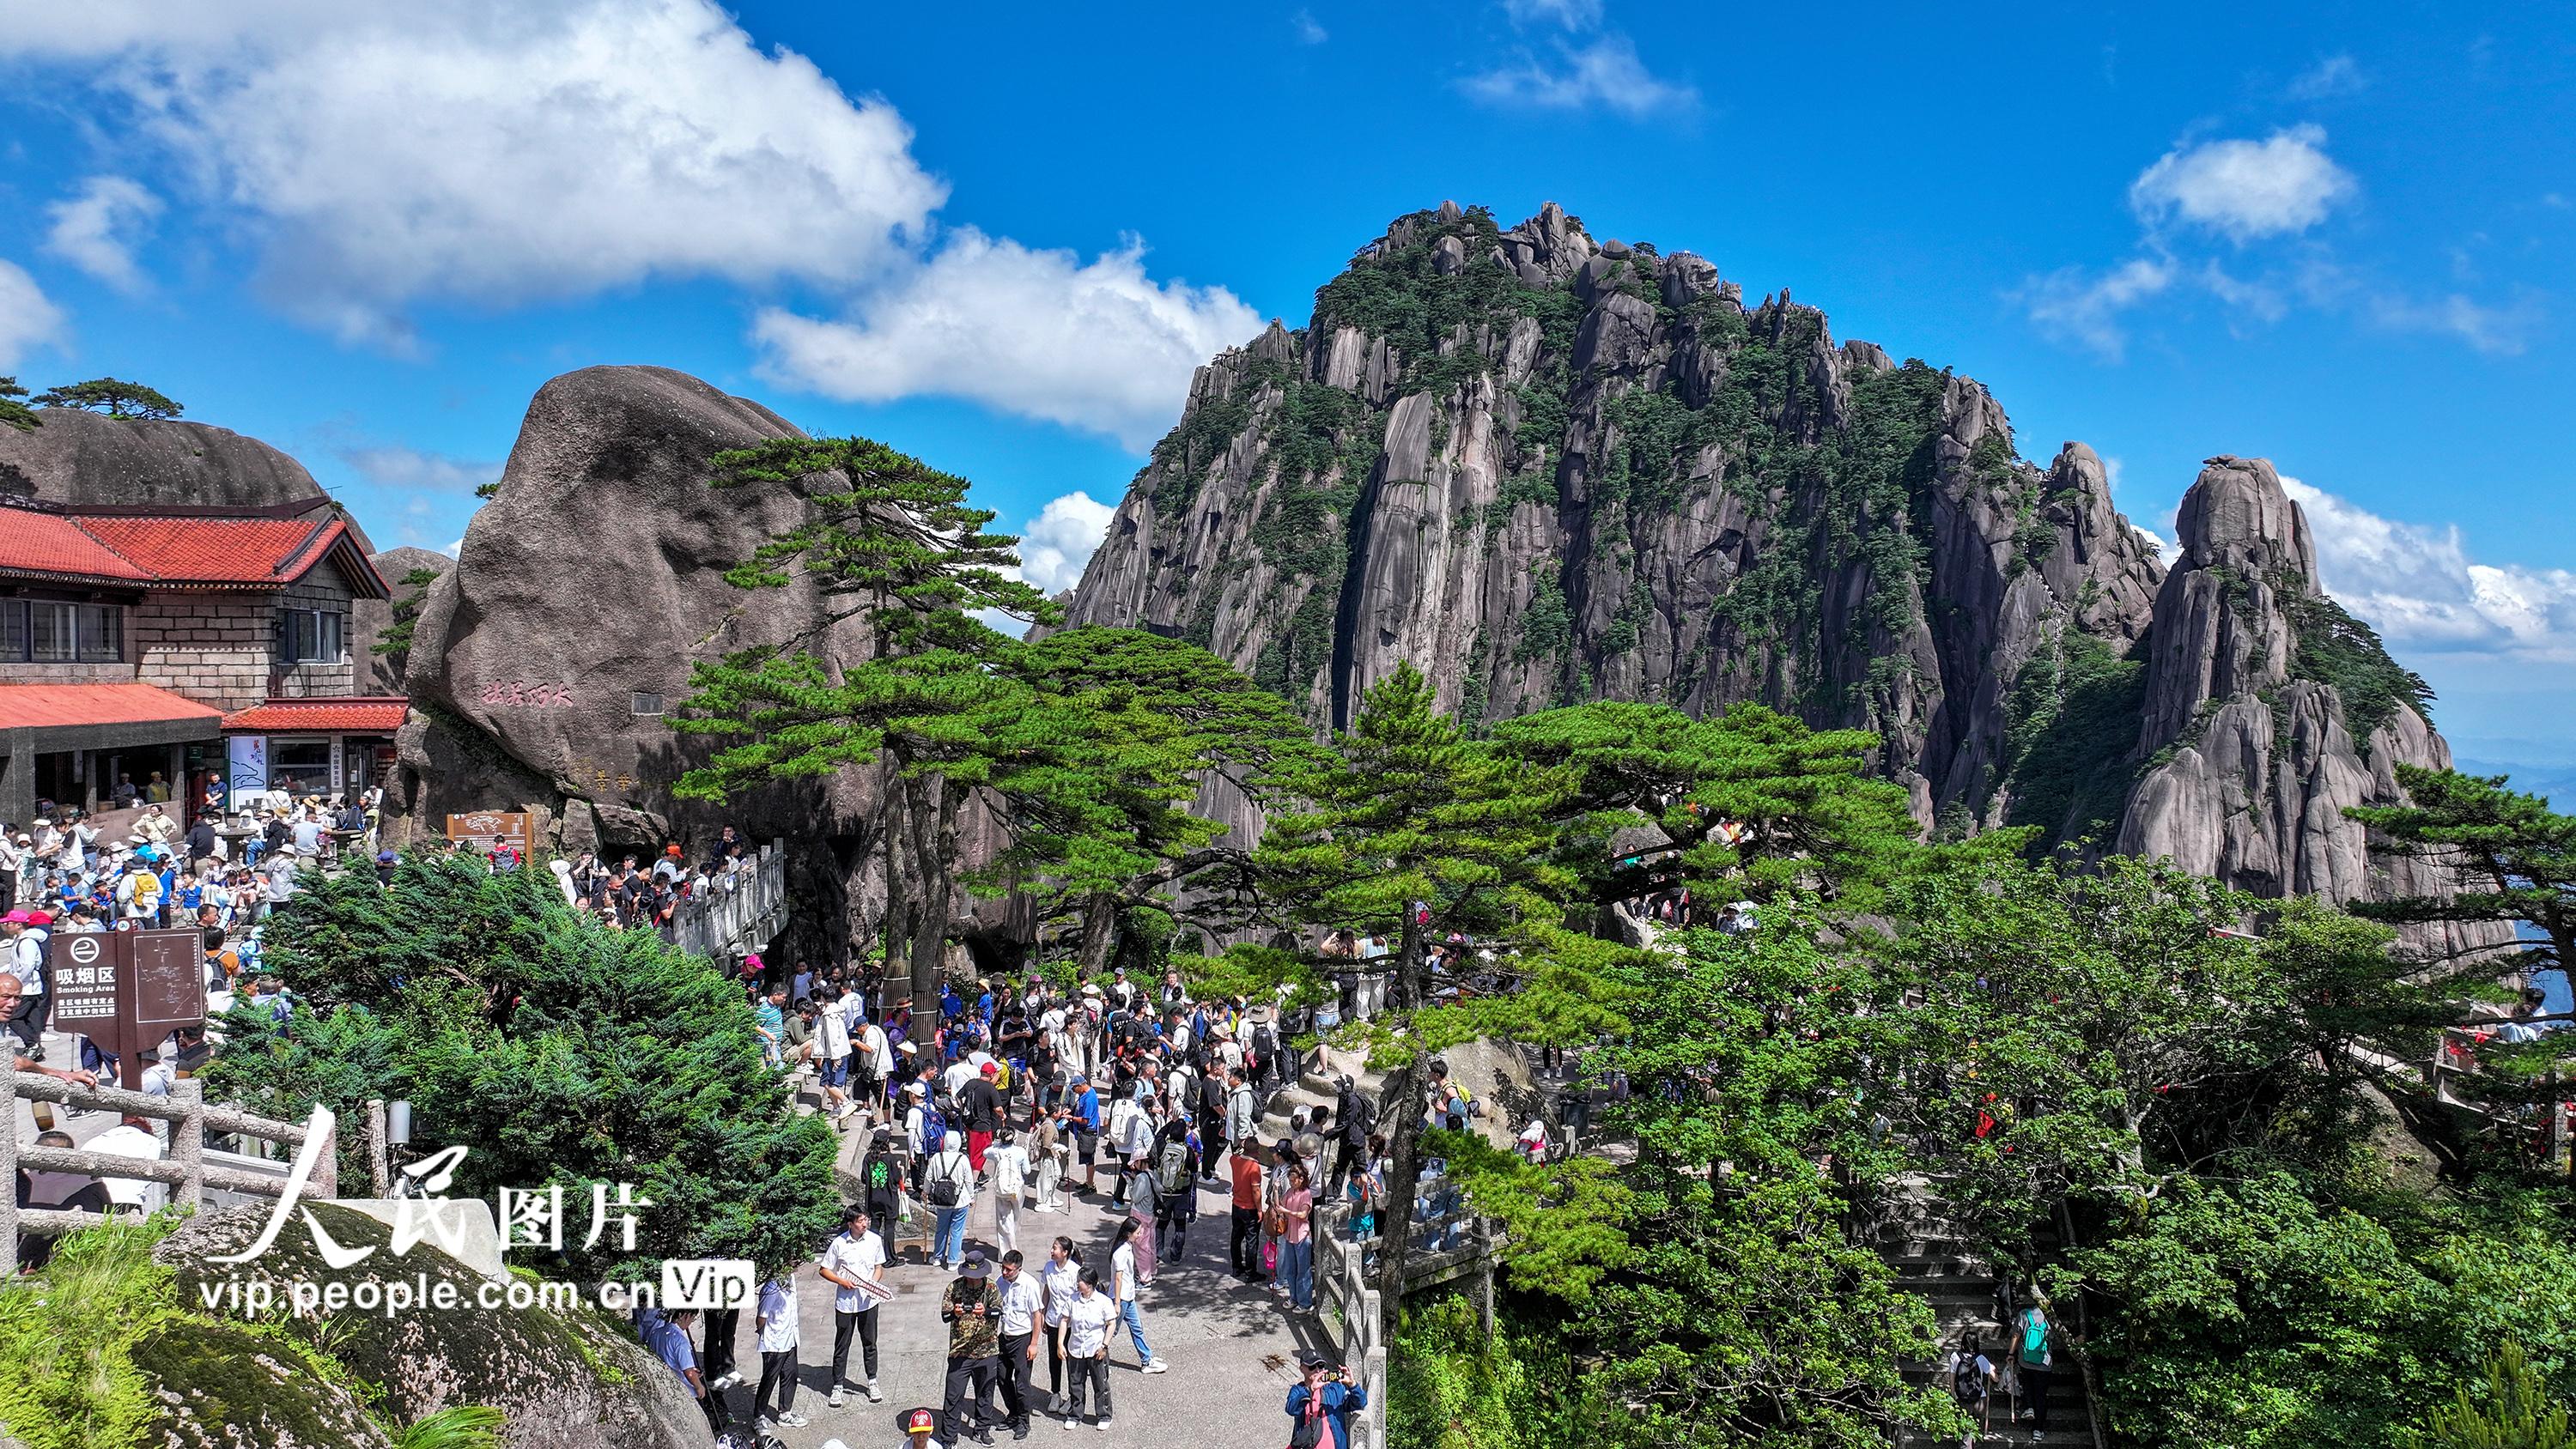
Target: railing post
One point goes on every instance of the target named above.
(188, 1141)
(379, 1178)
(9, 1160)
(326, 1165)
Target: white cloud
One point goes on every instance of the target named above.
(2495, 330)
(1306, 28)
(1569, 14)
(1040, 333)
(495, 153)
(1060, 540)
(2334, 75)
(27, 320)
(2077, 307)
(2420, 589)
(412, 470)
(2245, 189)
(98, 228)
(2166, 549)
(1604, 72)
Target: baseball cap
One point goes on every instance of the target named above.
(990, 1070)
(920, 1419)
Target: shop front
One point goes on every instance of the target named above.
(330, 746)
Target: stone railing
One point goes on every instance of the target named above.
(1449, 1242)
(184, 1168)
(727, 923)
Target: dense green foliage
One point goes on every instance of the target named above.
(2071, 725)
(117, 399)
(13, 413)
(2515, 1411)
(555, 1049)
(2333, 647)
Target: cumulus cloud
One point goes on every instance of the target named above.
(2500, 331)
(2419, 587)
(1602, 72)
(97, 228)
(1097, 345)
(1060, 540)
(2083, 308)
(501, 152)
(2243, 189)
(414, 471)
(27, 319)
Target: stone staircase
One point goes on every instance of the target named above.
(1935, 1261)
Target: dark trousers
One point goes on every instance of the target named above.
(1212, 1133)
(27, 1019)
(1015, 1376)
(717, 1361)
(1246, 1248)
(970, 1378)
(1171, 1228)
(1341, 1175)
(777, 1377)
(1055, 1360)
(865, 1325)
(1091, 1373)
(2034, 1392)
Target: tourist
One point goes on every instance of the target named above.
(1086, 1347)
(11, 1011)
(1122, 1267)
(1294, 1224)
(29, 1003)
(2037, 1367)
(854, 1256)
(1972, 1380)
(948, 1185)
(774, 1328)
(1009, 1162)
(1023, 1304)
(1244, 1250)
(1321, 1403)
(972, 1309)
(1057, 1279)
(1050, 1144)
(979, 1101)
(669, 1340)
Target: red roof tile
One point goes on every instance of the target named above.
(217, 550)
(49, 543)
(39, 706)
(352, 714)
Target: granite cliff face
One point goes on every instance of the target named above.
(542, 661)
(1545, 469)
(89, 458)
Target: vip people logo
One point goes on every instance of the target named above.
(527, 1218)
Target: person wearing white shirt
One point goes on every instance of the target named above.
(854, 1256)
(132, 1138)
(26, 961)
(1023, 1307)
(776, 1327)
(1056, 1278)
(1086, 1344)
(832, 1039)
(1008, 1162)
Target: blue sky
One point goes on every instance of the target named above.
(2337, 236)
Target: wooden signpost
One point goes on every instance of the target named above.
(489, 829)
(128, 990)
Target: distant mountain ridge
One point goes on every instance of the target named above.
(1544, 468)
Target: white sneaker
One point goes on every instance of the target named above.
(873, 1396)
(793, 1419)
(834, 1401)
(1157, 1366)
(1068, 1426)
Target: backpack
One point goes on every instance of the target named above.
(941, 1190)
(934, 1127)
(2034, 1339)
(1173, 1166)
(1966, 1384)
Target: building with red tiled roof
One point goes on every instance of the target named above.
(189, 644)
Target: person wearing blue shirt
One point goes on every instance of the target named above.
(1086, 1111)
(1327, 1397)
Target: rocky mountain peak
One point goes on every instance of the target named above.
(1543, 468)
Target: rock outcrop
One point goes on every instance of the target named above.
(88, 458)
(542, 663)
(567, 1378)
(1543, 470)
(370, 619)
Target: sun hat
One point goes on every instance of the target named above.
(976, 1265)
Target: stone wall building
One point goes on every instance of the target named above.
(191, 644)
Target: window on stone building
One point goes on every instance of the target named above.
(311, 636)
(58, 631)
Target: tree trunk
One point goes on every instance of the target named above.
(933, 821)
(1099, 932)
(1401, 1117)
(895, 840)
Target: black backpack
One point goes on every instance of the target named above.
(941, 1190)
(1967, 1385)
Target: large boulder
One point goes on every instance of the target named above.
(370, 618)
(89, 458)
(584, 592)
(567, 1378)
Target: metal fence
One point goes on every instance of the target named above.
(184, 1167)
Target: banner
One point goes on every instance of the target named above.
(247, 759)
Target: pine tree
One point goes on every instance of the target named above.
(891, 543)
(112, 396)
(13, 413)
(2514, 1413)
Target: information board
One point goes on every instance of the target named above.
(490, 828)
(128, 990)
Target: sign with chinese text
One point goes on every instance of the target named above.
(490, 828)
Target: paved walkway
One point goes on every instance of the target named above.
(1232, 1347)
